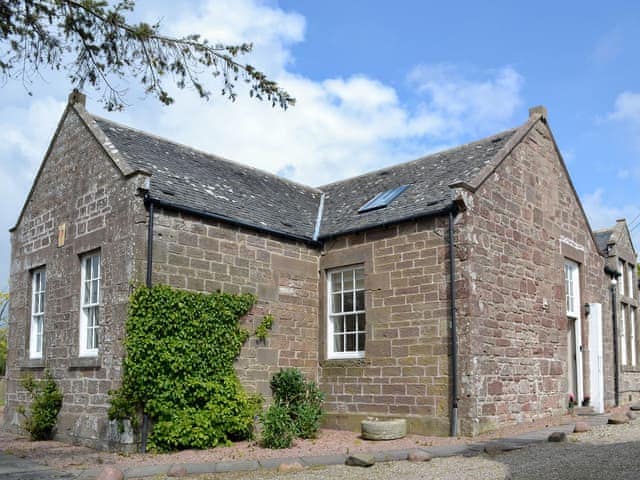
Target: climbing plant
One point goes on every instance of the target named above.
(178, 369)
(262, 330)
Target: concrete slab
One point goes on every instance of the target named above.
(273, 463)
(146, 471)
(16, 468)
(315, 460)
(13, 464)
(239, 466)
(199, 468)
(391, 455)
(449, 450)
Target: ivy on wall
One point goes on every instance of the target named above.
(178, 368)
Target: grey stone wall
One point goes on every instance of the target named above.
(623, 250)
(405, 371)
(197, 254)
(512, 242)
(80, 188)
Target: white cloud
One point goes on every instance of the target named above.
(627, 107)
(340, 126)
(24, 136)
(270, 29)
(602, 214)
(467, 104)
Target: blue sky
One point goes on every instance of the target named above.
(379, 83)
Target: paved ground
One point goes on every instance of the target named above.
(610, 452)
(606, 452)
(15, 468)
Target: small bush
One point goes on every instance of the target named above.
(45, 406)
(278, 428)
(300, 400)
(288, 387)
(307, 419)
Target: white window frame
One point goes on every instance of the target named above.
(621, 280)
(341, 313)
(623, 334)
(90, 296)
(572, 288)
(573, 306)
(38, 299)
(630, 280)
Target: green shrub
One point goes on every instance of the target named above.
(178, 369)
(300, 399)
(308, 414)
(288, 387)
(278, 428)
(46, 402)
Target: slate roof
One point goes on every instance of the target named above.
(602, 239)
(198, 181)
(428, 193)
(190, 179)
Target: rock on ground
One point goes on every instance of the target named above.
(290, 467)
(557, 437)
(110, 473)
(618, 419)
(177, 471)
(581, 427)
(360, 460)
(418, 456)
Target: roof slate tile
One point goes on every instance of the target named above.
(190, 179)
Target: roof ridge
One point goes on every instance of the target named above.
(422, 158)
(210, 155)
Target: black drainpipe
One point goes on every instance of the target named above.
(149, 202)
(614, 318)
(614, 274)
(454, 334)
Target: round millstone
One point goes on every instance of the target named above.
(383, 429)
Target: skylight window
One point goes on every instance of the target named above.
(383, 199)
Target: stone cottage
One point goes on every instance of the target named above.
(460, 291)
(621, 264)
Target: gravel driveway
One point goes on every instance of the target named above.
(610, 452)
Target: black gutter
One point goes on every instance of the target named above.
(215, 216)
(435, 213)
(149, 203)
(454, 329)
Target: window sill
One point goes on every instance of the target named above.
(32, 364)
(344, 362)
(85, 363)
(628, 369)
